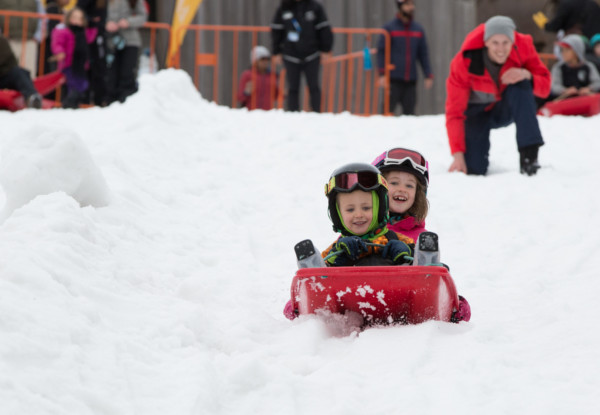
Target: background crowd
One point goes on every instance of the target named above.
(96, 45)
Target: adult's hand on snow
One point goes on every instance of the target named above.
(428, 83)
(459, 164)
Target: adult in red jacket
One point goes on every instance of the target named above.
(492, 83)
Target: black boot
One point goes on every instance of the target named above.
(529, 160)
(72, 99)
(34, 101)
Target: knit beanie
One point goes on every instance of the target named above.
(595, 39)
(574, 42)
(499, 25)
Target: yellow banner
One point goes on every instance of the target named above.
(185, 10)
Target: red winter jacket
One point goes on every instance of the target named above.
(469, 81)
(266, 90)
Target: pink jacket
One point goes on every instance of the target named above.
(408, 227)
(63, 41)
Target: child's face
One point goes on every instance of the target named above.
(569, 55)
(263, 64)
(597, 49)
(76, 18)
(357, 210)
(402, 189)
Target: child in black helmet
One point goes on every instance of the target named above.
(358, 208)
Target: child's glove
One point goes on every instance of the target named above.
(464, 311)
(350, 247)
(288, 311)
(540, 19)
(397, 251)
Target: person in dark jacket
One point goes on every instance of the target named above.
(492, 83)
(301, 32)
(95, 12)
(12, 76)
(593, 55)
(25, 49)
(408, 46)
(575, 16)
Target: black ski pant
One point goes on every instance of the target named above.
(97, 74)
(517, 105)
(293, 71)
(18, 79)
(405, 94)
(122, 74)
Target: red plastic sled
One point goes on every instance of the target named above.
(380, 294)
(13, 100)
(586, 105)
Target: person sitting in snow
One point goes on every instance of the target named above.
(358, 208)
(574, 76)
(407, 175)
(357, 196)
(12, 76)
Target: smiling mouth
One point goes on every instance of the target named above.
(400, 198)
(361, 223)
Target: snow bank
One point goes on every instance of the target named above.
(169, 299)
(44, 160)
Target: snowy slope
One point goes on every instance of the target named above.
(168, 300)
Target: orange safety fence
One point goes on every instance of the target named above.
(211, 44)
(548, 59)
(348, 84)
(217, 50)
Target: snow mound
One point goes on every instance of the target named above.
(45, 160)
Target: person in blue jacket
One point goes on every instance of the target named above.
(408, 46)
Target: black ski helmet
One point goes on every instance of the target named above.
(369, 179)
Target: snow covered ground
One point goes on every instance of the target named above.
(163, 294)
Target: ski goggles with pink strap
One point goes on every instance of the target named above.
(398, 156)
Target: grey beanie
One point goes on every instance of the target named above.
(499, 25)
(574, 42)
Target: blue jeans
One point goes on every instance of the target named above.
(517, 105)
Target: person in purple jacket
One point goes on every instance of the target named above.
(406, 172)
(70, 48)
